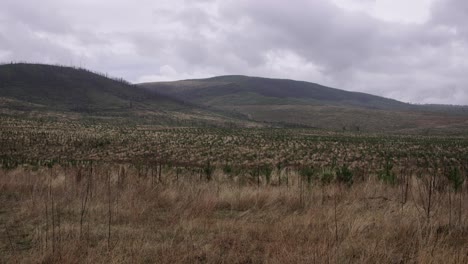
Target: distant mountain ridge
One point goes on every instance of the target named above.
(303, 92)
(311, 104)
(59, 89)
(69, 88)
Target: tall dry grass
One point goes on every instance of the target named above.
(113, 214)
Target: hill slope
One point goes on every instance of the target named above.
(247, 90)
(310, 104)
(69, 88)
(46, 90)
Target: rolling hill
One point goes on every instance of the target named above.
(308, 104)
(243, 90)
(37, 90)
(57, 92)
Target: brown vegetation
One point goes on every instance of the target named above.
(83, 192)
(114, 213)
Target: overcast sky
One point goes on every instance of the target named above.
(410, 50)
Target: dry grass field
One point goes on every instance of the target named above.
(109, 214)
(75, 192)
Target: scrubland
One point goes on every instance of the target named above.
(74, 193)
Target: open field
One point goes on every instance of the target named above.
(73, 192)
(357, 119)
(56, 215)
(32, 141)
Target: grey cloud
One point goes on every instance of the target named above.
(318, 31)
(35, 15)
(451, 13)
(363, 53)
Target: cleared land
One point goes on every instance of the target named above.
(74, 191)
